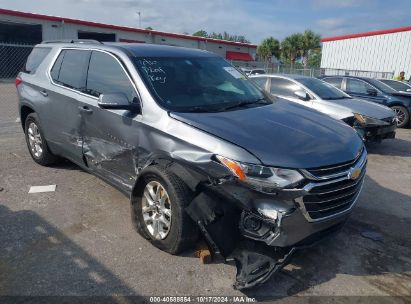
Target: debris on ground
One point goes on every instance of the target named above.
(372, 235)
(203, 252)
(1, 189)
(40, 189)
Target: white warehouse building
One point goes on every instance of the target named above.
(382, 53)
(19, 29)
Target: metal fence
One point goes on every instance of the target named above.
(278, 68)
(341, 72)
(12, 59)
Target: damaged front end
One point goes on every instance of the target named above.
(259, 228)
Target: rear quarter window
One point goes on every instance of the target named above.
(35, 58)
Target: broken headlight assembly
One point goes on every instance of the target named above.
(262, 178)
(365, 120)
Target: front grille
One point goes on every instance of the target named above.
(328, 195)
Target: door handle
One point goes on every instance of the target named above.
(44, 93)
(86, 109)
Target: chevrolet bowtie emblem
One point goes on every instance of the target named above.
(354, 173)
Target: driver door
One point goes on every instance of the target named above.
(110, 137)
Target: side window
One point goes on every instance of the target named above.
(55, 71)
(70, 69)
(283, 87)
(105, 75)
(358, 86)
(335, 81)
(260, 81)
(35, 58)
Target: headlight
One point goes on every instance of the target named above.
(365, 120)
(261, 177)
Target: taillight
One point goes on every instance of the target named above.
(18, 81)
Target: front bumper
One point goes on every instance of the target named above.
(235, 221)
(376, 133)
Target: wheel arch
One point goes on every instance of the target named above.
(25, 111)
(192, 178)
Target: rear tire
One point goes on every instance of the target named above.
(148, 211)
(36, 142)
(402, 115)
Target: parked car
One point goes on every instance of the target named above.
(400, 86)
(374, 90)
(249, 72)
(373, 122)
(196, 146)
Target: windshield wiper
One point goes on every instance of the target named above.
(335, 98)
(244, 103)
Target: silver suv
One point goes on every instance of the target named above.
(199, 149)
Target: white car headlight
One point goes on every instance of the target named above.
(261, 177)
(365, 120)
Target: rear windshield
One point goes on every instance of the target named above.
(35, 58)
(190, 84)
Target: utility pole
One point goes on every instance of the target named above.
(139, 19)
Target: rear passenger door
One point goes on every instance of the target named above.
(68, 76)
(110, 136)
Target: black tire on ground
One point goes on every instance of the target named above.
(183, 231)
(46, 158)
(406, 120)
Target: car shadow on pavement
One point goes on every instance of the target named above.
(66, 165)
(362, 263)
(391, 147)
(36, 259)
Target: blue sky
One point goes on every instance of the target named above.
(255, 19)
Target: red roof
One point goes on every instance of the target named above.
(117, 27)
(238, 56)
(366, 34)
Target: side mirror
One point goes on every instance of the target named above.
(117, 101)
(303, 95)
(372, 92)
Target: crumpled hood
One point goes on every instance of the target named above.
(283, 134)
(367, 108)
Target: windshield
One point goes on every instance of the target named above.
(381, 86)
(323, 89)
(200, 84)
(396, 85)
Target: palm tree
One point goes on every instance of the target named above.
(291, 47)
(268, 48)
(309, 42)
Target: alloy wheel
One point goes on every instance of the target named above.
(400, 115)
(35, 141)
(156, 209)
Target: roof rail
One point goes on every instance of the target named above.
(73, 41)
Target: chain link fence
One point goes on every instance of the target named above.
(12, 59)
(278, 68)
(371, 74)
(13, 56)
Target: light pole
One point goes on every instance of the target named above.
(139, 19)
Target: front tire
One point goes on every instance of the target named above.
(36, 142)
(158, 211)
(403, 117)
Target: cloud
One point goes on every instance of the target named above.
(341, 3)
